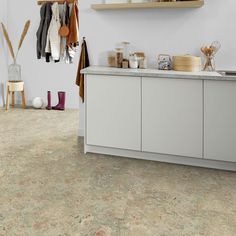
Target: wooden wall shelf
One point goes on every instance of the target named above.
(121, 6)
(40, 2)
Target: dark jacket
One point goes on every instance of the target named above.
(46, 16)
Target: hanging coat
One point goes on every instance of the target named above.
(48, 18)
(83, 63)
(73, 37)
(65, 16)
(46, 15)
(53, 45)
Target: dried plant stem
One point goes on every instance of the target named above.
(9, 43)
(5, 33)
(25, 30)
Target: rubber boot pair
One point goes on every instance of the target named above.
(61, 104)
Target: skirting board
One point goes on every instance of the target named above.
(81, 133)
(231, 166)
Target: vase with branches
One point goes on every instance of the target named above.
(14, 70)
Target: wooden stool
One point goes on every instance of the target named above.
(12, 87)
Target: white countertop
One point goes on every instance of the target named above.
(205, 75)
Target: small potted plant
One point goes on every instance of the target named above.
(14, 70)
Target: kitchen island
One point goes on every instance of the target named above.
(177, 117)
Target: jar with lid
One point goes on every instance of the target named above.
(126, 50)
(143, 63)
(133, 61)
(119, 57)
(111, 58)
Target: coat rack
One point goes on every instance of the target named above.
(40, 2)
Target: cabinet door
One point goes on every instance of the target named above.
(113, 111)
(220, 120)
(172, 117)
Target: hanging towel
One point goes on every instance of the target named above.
(83, 63)
(53, 45)
(46, 15)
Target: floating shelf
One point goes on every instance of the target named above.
(121, 6)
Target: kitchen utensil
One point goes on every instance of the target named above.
(209, 53)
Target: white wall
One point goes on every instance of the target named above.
(172, 31)
(3, 55)
(37, 74)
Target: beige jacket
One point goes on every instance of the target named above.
(53, 45)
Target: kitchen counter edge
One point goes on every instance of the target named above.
(202, 75)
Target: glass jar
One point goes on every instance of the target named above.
(14, 72)
(126, 50)
(112, 59)
(143, 63)
(133, 61)
(119, 57)
(209, 63)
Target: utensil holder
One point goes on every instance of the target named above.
(209, 63)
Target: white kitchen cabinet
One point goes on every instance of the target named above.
(172, 116)
(220, 120)
(168, 116)
(113, 111)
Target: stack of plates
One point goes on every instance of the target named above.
(187, 63)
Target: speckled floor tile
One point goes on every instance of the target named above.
(48, 187)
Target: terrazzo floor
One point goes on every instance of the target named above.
(48, 187)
